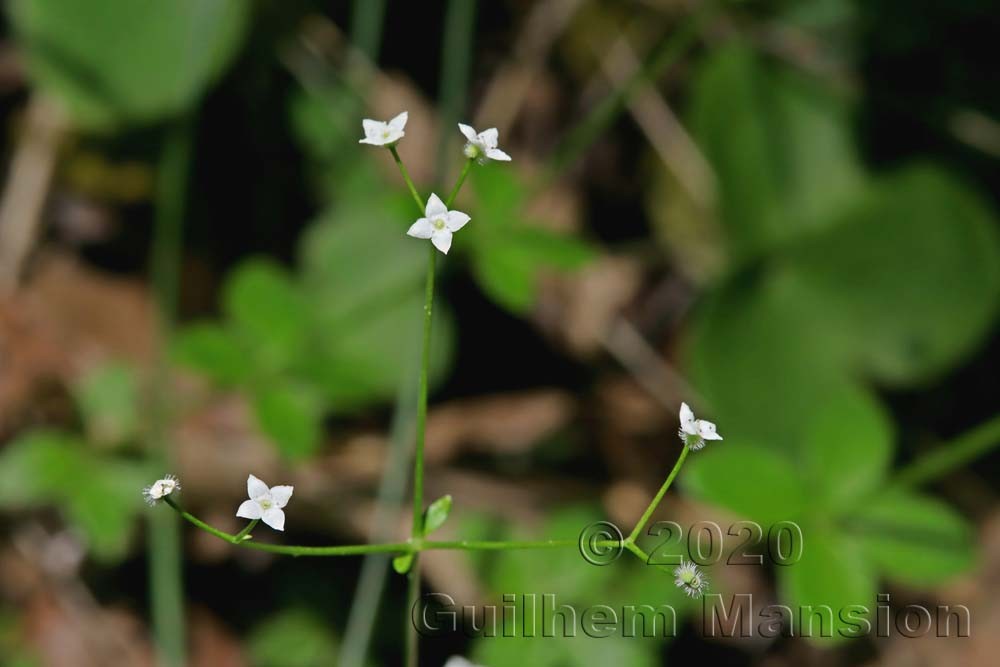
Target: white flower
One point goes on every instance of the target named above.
(482, 146)
(378, 133)
(265, 503)
(459, 661)
(160, 489)
(688, 578)
(694, 432)
(439, 224)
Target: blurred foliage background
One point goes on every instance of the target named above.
(782, 212)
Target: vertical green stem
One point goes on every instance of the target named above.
(409, 181)
(366, 26)
(165, 573)
(456, 57)
(659, 496)
(458, 184)
(425, 360)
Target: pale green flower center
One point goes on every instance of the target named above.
(438, 223)
(265, 503)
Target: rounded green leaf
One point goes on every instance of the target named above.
(127, 61)
(211, 349)
(749, 480)
(833, 574)
(911, 275)
(913, 539)
(848, 448)
(291, 415)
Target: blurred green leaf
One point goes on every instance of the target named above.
(108, 400)
(779, 145)
(291, 415)
(848, 449)
(833, 573)
(364, 278)
(752, 481)
(763, 362)
(292, 638)
(509, 253)
(912, 538)
(911, 274)
(268, 309)
(436, 514)
(124, 61)
(100, 496)
(211, 349)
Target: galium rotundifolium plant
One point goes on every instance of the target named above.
(437, 222)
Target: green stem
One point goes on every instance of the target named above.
(411, 546)
(409, 182)
(950, 455)
(245, 533)
(630, 540)
(461, 180)
(164, 545)
(418, 460)
(367, 19)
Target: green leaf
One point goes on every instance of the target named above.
(833, 573)
(292, 638)
(100, 496)
(402, 563)
(508, 253)
(436, 514)
(508, 263)
(910, 274)
(127, 61)
(268, 309)
(291, 415)
(848, 449)
(108, 400)
(364, 280)
(752, 481)
(913, 539)
(780, 146)
(38, 466)
(211, 349)
(764, 363)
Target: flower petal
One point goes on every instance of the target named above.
(456, 220)
(442, 240)
(687, 419)
(435, 207)
(489, 137)
(421, 229)
(372, 127)
(468, 131)
(497, 154)
(399, 122)
(281, 494)
(275, 518)
(706, 430)
(249, 510)
(256, 488)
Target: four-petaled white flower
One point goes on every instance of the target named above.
(265, 503)
(695, 432)
(439, 224)
(482, 146)
(688, 578)
(378, 133)
(160, 489)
